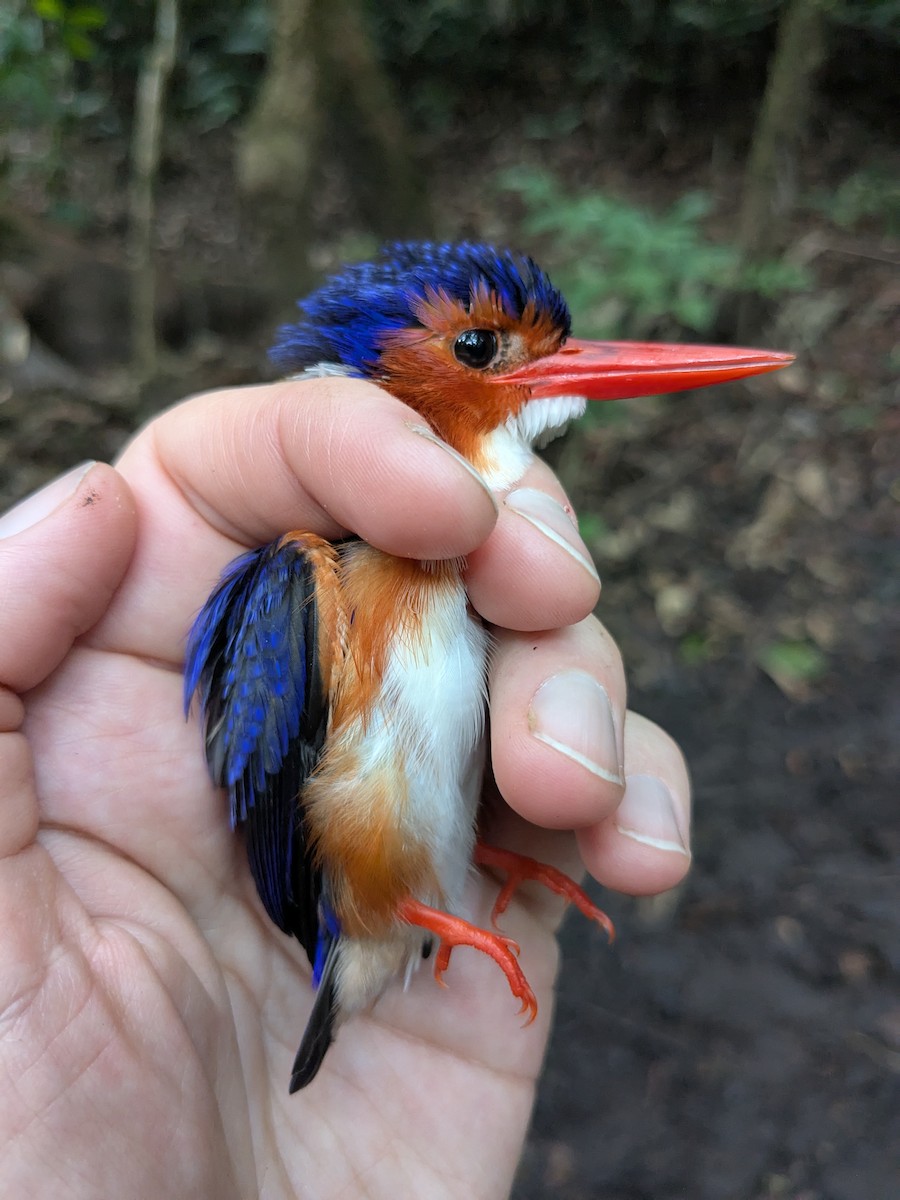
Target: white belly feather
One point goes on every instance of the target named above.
(431, 711)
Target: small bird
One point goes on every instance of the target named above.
(341, 689)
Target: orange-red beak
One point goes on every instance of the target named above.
(618, 370)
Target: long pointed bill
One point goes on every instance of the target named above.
(619, 370)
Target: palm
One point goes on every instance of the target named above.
(190, 1003)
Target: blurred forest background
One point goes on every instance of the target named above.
(173, 174)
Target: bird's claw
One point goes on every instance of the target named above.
(519, 868)
(454, 931)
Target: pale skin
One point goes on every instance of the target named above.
(149, 1012)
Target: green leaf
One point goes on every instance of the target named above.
(49, 10)
(799, 661)
(80, 47)
(694, 649)
(592, 527)
(86, 17)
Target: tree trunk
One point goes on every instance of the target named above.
(324, 76)
(146, 141)
(278, 146)
(770, 178)
(377, 148)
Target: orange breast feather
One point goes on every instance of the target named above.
(358, 798)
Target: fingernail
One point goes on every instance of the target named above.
(543, 512)
(43, 502)
(571, 712)
(424, 432)
(648, 814)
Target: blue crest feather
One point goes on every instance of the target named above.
(345, 321)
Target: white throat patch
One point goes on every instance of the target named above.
(508, 449)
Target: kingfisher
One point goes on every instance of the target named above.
(341, 689)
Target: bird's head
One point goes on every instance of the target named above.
(477, 341)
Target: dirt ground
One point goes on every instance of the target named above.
(742, 1038)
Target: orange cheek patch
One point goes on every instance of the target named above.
(462, 405)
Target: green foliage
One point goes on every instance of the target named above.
(61, 59)
(878, 17)
(30, 72)
(220, 61)
(729, 20)
(40, 44)
(448, 55)
(870, 195)
(221, 48)
(74, 24)
(792, 664)
(695, 649)
(593, 528)
(616, 42)
(628, 271)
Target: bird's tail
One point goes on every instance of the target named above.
(319, 1032)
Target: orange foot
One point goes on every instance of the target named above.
(454, 931)
(519, 868)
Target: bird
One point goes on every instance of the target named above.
(341, 690)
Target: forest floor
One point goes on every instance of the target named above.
(742, 1038)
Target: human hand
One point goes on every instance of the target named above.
(151, 1011)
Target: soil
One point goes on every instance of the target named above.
(742, 1037)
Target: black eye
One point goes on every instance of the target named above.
(476, 347)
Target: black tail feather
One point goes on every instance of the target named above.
(319, 1032)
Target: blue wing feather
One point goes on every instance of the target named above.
(252, 660)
